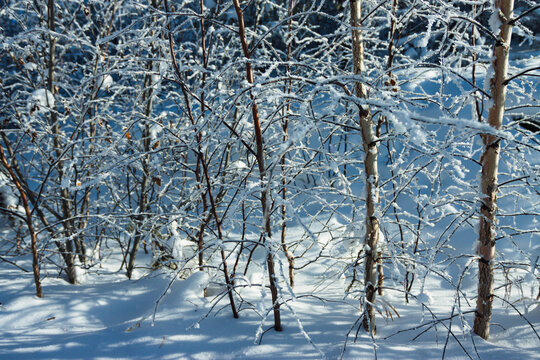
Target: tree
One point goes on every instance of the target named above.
(490, 162)
(238, 138)
(265, 201)
(28, 220)
(370, 144)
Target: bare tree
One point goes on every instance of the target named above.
(29, 222)
(146, 144)
(285, 124)
(490, 165)
(370, 144)
(265, 202)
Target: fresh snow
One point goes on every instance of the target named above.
(43, 97)
(105, 82)
(160, 316)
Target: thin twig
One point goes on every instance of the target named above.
(12, 263)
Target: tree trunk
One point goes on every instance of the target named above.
(140, 219)
(200, 240)
(35, 201)
(285, 124)
(67, 213)
(228, 281)
(265, 203)
(147, 100)
(490, 163)
(370, 144)
(28, 213)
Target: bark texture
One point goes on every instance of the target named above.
(370, 144)
(490, 164)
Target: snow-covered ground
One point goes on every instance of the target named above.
(160, 315)
(111, 317)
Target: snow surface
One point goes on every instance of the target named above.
(105, 82)
(111, 317)
(43, 97)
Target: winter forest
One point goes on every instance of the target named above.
(267, 179)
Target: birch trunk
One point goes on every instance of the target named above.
(370, 145)
(490, 164)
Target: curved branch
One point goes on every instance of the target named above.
(505, 82)
(511, 22)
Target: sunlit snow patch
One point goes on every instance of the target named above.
(42, 98)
